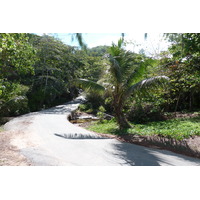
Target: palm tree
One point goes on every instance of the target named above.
(123, 78)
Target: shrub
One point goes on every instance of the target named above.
(96, 100)
(146, 113)
(86, 107)
(13, 100)
(15, 107)
(101, 113)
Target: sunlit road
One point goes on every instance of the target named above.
(47, 138)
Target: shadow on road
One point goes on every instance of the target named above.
(62, 109)
(136, 155)
(79, 136)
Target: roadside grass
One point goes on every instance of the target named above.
(174, 128)
(1, 128)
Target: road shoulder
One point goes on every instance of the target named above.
(10, 155)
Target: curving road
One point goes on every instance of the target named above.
(47, 138)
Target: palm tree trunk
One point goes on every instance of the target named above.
(122, 121)
(120, 117)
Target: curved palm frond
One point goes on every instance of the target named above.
(147, 84)
(136, 75)
(89, 86)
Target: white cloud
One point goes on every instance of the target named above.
(153, 45)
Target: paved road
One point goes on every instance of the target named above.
(49, 139)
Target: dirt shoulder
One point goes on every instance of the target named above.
(18, 135)
(10, 155)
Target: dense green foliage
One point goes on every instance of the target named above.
(182, 65)
(37, 72)
(54, 68)
(16, 61)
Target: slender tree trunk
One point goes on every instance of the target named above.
(190, 104)
(177, 102)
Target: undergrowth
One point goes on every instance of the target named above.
(174, 128)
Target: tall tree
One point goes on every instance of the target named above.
(17, 57)
(183, 68)
(54, 68)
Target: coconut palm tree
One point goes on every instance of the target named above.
(123, 78)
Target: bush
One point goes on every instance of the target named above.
(13, 100)
(96, 100)
(146, 113)
(15, 107)
(86, 107)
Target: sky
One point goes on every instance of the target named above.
(152, 45)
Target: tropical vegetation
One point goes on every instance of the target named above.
(38, 72)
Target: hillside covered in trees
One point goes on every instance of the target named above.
(36, 72)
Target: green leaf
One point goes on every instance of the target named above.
(147, 84)
(89, 85)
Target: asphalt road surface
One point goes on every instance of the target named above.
(47, 138)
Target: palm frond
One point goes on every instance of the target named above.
(114, 50)
(115, 70)
(79, 38)
(145, 36)
(136, 75)
(89, 86)
(121, 42)
(145, 85)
